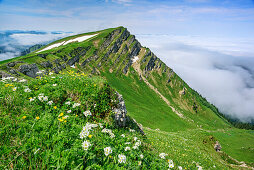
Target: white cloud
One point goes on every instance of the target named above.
(225, 80)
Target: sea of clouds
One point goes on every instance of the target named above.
(221, 70)
(12, 43)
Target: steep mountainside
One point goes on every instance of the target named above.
(155, 95)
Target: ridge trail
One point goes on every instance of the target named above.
(136, 66)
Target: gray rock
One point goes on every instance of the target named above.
(46, 64)
(29, 70)
(13, 71)
(120, 112)
(4, 75)
(42, 55)
(151, 63)
(217, 146)
(12, 64)
(73, 60)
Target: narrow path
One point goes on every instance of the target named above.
(136, 66)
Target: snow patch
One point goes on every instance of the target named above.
(135, 59)
(79, 39)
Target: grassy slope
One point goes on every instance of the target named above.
(151, 111)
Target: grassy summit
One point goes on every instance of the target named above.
(176, 119)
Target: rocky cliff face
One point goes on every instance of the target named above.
(115, 52)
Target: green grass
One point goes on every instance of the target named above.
(39, 130)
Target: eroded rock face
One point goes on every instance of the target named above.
(120, 112)
(217, 146)
(46, 64)
(29, 70)
(4, 75)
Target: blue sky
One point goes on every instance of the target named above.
(227, 18)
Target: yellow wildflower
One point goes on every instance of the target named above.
(61, 114)
(65, 121)
(60, 120)
(90, 136)
(37, 117)
(55, 107)
(30, 98)
(23, 117)
(6, 85)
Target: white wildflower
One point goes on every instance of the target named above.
(132, 130)
(50, 73)
(69, 111)
(84, 134)
(127, 148)
(14, 88)
(54, 85)
(199, 167)
(87, 113)
(112, 135)
(141, 156)
(127, 143)
(107, 151)
(135, 147)
(162, 155)
(86, 145)
(68, 103)
(180, 168)
(100, 124)
(50, 102)
(135, 138)
(22, 80)
(27, 90)
(45, 98)
(170, 164)
(121, 158)
(76, 105)
(139, 163)
(53, 77)
(123, 135)
(40, 98)
(32, 99)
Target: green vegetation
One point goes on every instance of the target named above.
(187, 140)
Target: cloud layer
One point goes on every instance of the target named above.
(216, 72)
(12, 43)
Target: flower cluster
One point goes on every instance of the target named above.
(108, 131)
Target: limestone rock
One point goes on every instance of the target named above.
(120, 112)
(217, 146)
(4, 75)
(29, 70)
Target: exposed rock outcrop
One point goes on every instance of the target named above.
(120, 112)
(46, 64)
(217, 146)
(29, 70)
(3, 74)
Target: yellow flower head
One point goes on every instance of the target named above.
(90, 136)
(60, 119)
(61, 114)
(65, 121)
(37, 117)
(23, 117)
(30, 98)
(55, 107)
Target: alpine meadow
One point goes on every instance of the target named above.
(101, 100)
